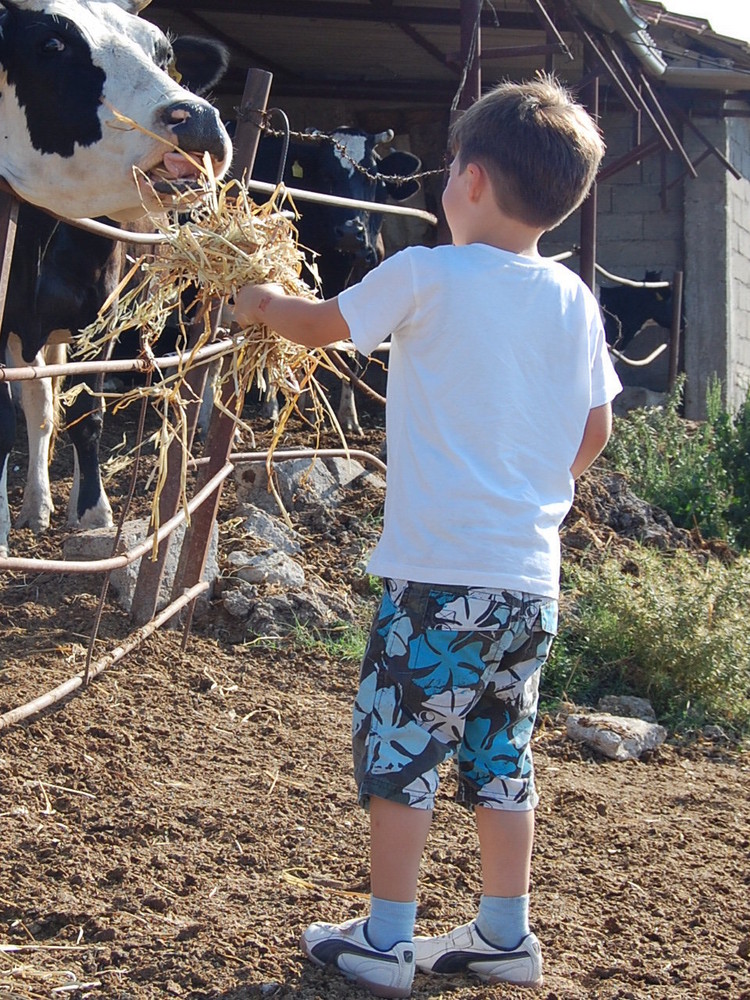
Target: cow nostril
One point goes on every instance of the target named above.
(194, 126)
(176, 115)
(352, 228)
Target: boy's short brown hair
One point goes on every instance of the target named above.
(540, 148)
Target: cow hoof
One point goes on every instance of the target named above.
(95, 517)
(38, 520)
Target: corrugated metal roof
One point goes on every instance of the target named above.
(694, 34)
(406, 52)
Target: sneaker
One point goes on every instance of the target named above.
(345, 946)
(465, 950)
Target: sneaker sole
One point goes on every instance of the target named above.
(377, 989)
(535, 984)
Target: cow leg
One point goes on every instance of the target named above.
(206, 406)
(347, 412)
(37, 404)
(89, 506)
(269, 403)
(7, 438)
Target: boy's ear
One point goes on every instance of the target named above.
(476, 180)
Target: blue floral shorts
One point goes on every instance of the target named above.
(451, 672)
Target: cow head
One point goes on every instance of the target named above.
(346, 163)
(91, 104)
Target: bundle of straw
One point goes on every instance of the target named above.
(228, 242)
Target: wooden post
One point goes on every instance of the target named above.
(250, 120)
(471, 51)
(151, 570)
(587, 265)
(8, 224)
(220, 438)
(676, 329)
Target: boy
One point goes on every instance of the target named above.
(499, 391)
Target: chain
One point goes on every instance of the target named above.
(252, 114)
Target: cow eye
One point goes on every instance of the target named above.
(53, 44)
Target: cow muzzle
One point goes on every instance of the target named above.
(196, 129)
(351, 238)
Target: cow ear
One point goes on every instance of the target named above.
(399, 163)
(200, 62)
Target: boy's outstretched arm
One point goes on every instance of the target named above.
(595, 436)
(310, 322)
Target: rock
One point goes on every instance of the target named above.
(275, 568)
(615, 736)
(96, 543)
(636, 397)
(606, 501)
(348, 471)
(305, 608)
(302, 482)
(269, 529)
(628, 706)
(299, 482)
(715, 733)
(581, 536)
(237, 604)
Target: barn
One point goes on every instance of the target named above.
(672, 96)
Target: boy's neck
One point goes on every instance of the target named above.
(478, 216)
(508, 234)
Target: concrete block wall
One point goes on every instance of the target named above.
(739, 261)
(636, 231)
(651, 217)
(717, 279)
(707, 278)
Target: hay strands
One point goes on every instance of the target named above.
(228, 242)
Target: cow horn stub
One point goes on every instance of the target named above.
(380, 137)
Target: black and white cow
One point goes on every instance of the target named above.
(626, 310)
(91, 111)
(346, 241)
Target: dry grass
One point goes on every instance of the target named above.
(228, 242)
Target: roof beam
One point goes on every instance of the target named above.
(238, 47)
(386, 6)
(549, 26)
(427, 92)
(338, 10)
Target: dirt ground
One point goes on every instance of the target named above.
(170, 830)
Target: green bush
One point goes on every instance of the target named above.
(732, 436)
(687, 469)
(669, 629)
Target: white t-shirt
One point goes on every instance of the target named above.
(496, 360)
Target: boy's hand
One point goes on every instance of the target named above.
(251, 302)
(310, 322)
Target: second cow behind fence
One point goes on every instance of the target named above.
(346, 242)
(626, 309)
